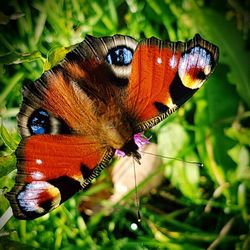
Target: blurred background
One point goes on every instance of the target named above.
(182, 206)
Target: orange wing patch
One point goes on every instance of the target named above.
(153, 70)
(68, 101)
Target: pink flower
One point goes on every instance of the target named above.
(120, 153)
(139, 140)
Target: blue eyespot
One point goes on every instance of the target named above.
(120, 56)
(39, 122)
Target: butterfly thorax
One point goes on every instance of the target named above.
(117, 131)
(119, 136)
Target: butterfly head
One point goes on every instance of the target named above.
(132, 146)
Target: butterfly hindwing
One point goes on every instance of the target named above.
(52, 168)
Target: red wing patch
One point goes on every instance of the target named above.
(164, 75)
(51, 168)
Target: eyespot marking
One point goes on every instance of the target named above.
(39, 122)
(36, 197)
(194, 67)
(120, 56)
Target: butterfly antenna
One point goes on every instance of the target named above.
(137, 201)
(199, 164)
(6, 217)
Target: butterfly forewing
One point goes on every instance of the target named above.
(165, 75)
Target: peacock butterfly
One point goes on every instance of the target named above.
(94, 103)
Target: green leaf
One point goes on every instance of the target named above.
(7, 164)
(242, 200)
(56, 56)
(242, 135)
(212, 119)
(16, 58)
(173, 141)
(6, 137)
(10, 244)
(11, 84)
(240, 155)
(219, 112)
(177, 139)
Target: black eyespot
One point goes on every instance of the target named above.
(120, 56)
(39, 122)
(201, 75)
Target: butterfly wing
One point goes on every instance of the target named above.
(54, 161)
(52, 168)
(165, 75)
(62, 147)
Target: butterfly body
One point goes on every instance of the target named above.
(94, 103)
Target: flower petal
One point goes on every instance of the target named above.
(120, 153)
(140, 140)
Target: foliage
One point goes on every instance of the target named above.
(195, 207)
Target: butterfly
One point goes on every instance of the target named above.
(95, 103)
